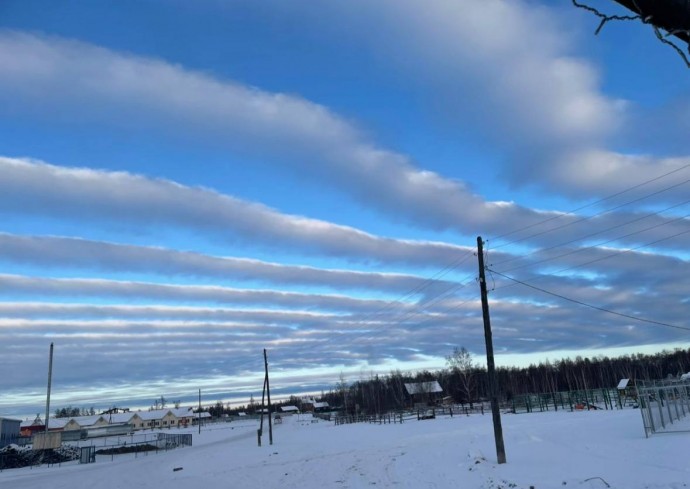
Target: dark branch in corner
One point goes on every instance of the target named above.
(604, 18)
(664, 39)
(671, 16)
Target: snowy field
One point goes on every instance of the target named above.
(595, 449)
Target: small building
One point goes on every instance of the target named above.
(313, 406)
(627, 394)
(28, 428)
(289, 409)
(185, 416)
(159, 418)
(424, 392)
(9, 431)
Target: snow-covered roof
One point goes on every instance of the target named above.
(120, 417)
(54, 423)
(36, 422)
(155, 414)
(83, 420)
(315, 403)
(423, 387)
(183, 412)
(289, 409)
(623, 383)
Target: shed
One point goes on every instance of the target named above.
(289, 409)
(424, 392)
(9, 431)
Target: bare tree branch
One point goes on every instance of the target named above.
(671, 16)
(604, 18)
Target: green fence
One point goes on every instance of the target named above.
(568, 400)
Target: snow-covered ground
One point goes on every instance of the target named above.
(544, 450)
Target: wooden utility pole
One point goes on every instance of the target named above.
(268, 396)
(50, 380)
(198, 420)
(491, 370)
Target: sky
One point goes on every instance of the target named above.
(185, 184)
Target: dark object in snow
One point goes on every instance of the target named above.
(602, 480)
(177, 469)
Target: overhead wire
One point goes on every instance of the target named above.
(603, 309)
(585, 248)
(581, 238)
(609, 256)
(596, 202)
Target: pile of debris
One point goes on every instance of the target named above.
(14, 456)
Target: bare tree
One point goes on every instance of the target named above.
(461, 362)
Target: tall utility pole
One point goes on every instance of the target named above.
(268, 395)
(491, 370)
(198, 420)
(50, 379)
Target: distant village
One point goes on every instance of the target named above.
(123, 421)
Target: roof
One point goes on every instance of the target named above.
(319, 405)
(11, 419)
(82, 420)
(120, 417)
(155, 414)
(183, 412)
(623, 383)
(36, 422)
(289, 409)
(55, 423)
(430, 387)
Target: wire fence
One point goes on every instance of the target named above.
(579, 400)
(665, 406)
(419, 414)
(87, 451)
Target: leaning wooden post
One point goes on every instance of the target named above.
(490, 368)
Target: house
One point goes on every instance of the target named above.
(28, 428)
(311, 405)
(289, 409)
(9, 431)
(185, 416)
(424, 392)
(159, 418)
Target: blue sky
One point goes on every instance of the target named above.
(183, 184)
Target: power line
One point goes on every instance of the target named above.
(650, 321)
(541, 250)
(573, 211)
(579, 250)
(611, 255)
(441, 273)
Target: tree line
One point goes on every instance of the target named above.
(73, 412)
(464, 382)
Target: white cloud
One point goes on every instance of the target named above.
(126, 199)
(107, 87)
(53, 252)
